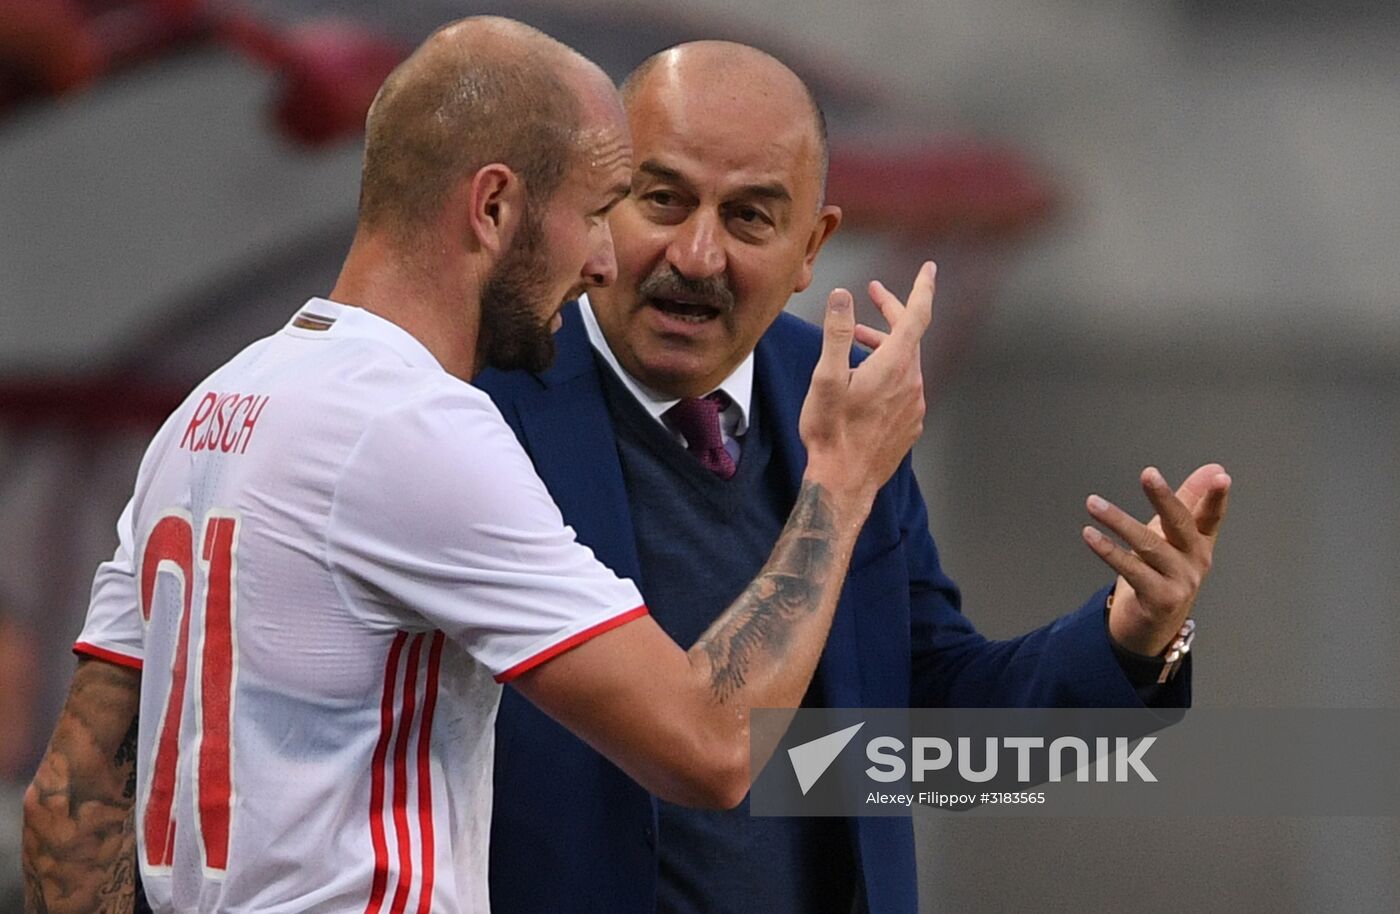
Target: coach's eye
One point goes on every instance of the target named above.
(749, 222)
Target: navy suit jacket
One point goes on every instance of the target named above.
(570, 831)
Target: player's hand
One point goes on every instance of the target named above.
(859, 423)
(1167, 559)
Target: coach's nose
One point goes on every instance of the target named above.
(695, 250)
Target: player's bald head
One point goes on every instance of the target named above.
(726, 72)
(477, 91)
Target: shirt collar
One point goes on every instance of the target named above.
(738, 387)
(321, 318)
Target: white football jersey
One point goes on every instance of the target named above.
(334, 553)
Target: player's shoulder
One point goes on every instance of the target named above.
(378, 379)
(428, 428)
(435, 436)
(425, 406)
(340, 389)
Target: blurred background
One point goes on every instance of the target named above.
(1167, 233)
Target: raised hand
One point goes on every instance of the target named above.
(857, 424)
(1166, 560)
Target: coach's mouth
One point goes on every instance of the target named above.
(690, 311)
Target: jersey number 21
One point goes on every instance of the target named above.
(170, 548)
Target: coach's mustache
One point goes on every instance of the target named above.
(665, 282)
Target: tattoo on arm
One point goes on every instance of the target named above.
(126, 758)
(79, 835)
(788, 588)
(33, 892)
(117, 895)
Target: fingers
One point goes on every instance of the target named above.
(838, 330)
(890, 307)
(916, 314)
(1166, 560)
(870, 337)
(1178, 524)
(919, 309)
(1140, 539)
(1206, 494)
(1126, 563)
(1214, 507)
(1199, 483)
(1162, 590)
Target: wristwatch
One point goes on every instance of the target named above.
(1176, 652)
(1142, 667)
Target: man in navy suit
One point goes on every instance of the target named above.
(667, 431)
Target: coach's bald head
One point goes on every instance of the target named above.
(726, 216)
(477, 91)
(738, 73)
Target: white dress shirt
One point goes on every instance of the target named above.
(738, 387)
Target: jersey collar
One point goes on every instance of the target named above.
(321, 318)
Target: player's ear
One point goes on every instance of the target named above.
(495, 206)
(828, 221)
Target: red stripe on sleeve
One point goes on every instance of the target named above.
(82, 648)
(425, 776)
(569, 643)
(401, 836)
(377, 777)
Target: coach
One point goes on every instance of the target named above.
(666, 430)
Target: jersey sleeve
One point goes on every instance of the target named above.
(439, 514)
(114, 631)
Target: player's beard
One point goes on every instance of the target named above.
(514, 324)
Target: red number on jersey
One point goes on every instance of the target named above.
(170, 548)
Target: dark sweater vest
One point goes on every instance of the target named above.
(700, 541)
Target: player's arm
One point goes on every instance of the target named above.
(79, 851)
(678, 721)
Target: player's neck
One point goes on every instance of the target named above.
(433, 302)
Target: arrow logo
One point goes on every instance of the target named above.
(810, 760)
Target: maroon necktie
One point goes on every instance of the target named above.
(697, 419)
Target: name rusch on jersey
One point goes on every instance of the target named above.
(223, 422)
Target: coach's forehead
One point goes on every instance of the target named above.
(729, 104)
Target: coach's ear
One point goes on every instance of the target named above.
(495, 207)
(828, 221)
